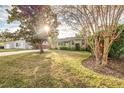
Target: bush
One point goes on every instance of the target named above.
(67, 48)
(74, 49)
(117, 47)
(64, 48)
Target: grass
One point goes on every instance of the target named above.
(52, 69)
(10, 50)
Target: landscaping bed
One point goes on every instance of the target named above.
(114, 68)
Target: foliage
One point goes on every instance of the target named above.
(26, 15)
(7, 36)
(74, 49)
(97, 22)
(118, 45)
(67, 48)
(32, 19)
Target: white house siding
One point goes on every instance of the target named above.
(20, 44)
(8, 45)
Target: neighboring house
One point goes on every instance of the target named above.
(71, 43)
(44, 45)
(1, 45)
(19, 44)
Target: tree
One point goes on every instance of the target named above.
(118, 45)
(53, 40)
(98, 24)
(34, 19)
(7, 36)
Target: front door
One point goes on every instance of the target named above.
(77, 46)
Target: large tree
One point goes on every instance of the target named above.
(98, 24)
(34, 19)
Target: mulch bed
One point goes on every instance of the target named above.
(114, 68)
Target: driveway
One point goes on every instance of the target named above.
(17, 52)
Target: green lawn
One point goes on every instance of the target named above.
(51, 69)
(10, 50)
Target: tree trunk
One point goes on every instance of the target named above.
(41, 48)
(85, 44)
(105, 51)
(105, 59)
(97, 52)
(101, 53)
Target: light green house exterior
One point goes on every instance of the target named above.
(73, 43)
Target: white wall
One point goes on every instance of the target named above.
(7, 46)
(20, 44)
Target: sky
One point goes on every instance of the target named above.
(3, 20)
(63, 30)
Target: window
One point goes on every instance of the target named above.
(72, 42)
(17, 44)
(82, 42)
(59, 43)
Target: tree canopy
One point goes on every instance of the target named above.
(35, 20)
(98, 24)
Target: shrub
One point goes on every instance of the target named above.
(74, 49)
(117, 47)
(64, 48)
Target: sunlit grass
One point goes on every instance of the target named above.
(51, 69)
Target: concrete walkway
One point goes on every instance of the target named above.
(17, 52)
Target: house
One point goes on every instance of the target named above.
(1, 45)
(73, 43)
(44, 45)
(19, 44)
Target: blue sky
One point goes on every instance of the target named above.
(64, 31)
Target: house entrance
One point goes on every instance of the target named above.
(77, 46)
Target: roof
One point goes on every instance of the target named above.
(15, 41)
(69, 39)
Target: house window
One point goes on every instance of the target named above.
(72, 42)
(82, 42)
(58, 43)
(17, 44)
(63, 43)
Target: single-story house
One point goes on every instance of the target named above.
(1, 45)
(45, 45)
(19, 44)
(71, 43)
